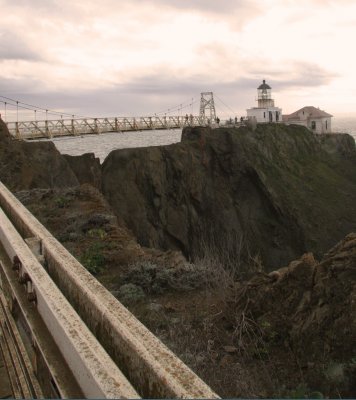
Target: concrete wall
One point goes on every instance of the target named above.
(149, 365)
(322, 125)
(262, 114)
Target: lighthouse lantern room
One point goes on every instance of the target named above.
(266, 111)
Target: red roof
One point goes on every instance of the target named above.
(309, 111)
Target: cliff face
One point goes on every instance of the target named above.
(308, 309)
(276, 191)
(25, 165)
(86, 168)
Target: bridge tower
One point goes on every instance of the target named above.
(207, 105)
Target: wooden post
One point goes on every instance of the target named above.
(18, 136)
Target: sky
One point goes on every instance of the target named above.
(144, 57)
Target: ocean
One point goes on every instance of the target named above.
(101, 145)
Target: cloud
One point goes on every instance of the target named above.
(34, 5)
(12, 47)
(154, 92)
(136, 56)
(293, 74)
(222, 7)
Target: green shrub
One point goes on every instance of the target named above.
(97, 233)
(156, 279)
(130, 293)
(61, 202)
(93, 258)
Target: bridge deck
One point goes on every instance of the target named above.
(5, 385)
(84, 126)
(20, 375)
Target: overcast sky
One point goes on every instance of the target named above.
(139, 57)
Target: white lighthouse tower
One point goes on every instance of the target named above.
(265, 111)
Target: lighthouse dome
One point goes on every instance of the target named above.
(264, 85)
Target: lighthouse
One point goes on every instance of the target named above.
(265, 110)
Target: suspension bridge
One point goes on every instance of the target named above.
(56, 123)
(86, 126)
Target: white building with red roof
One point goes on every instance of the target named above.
(316, 120)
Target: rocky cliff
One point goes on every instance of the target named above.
(268, 194)
(305, 314)
(27, 165)
(275, 192)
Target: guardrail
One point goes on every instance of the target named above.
(152, 369)
(94, 371)
(82, 126)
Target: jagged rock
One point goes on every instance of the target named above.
(311, 310)
(25, 165)
(277, 191)
(272, 193)
(86, 168)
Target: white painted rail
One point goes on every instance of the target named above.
(95, 372)
(152, 369)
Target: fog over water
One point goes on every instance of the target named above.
(101, 145)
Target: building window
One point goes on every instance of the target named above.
(264, 115)
(326, 125)
(313, 125)
(277, 116)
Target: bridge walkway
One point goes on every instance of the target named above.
(17, 376)
(86, 126)
(5, 385)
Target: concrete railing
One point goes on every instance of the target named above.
(94, 371)
(149, 365)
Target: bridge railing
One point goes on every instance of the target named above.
(152, 369)
(35, 292)
(83, 126)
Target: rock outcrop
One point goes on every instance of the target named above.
(308, 309)
(277, 191)
(86, 168)
(269, 194)
(27, 165)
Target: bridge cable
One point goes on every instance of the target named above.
(178, 107)
(41, 108)
(228, 107)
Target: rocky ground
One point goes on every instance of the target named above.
(240, 204)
